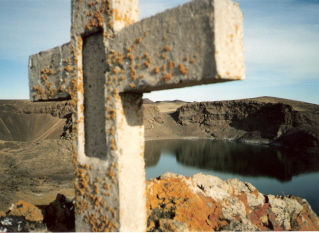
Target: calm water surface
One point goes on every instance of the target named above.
(271, 170)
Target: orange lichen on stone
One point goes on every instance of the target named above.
(147, 64)
(146, 55)
(306, 220)
(47, 71)
(167, 48)
(138, 40)
(68, 68)
(182, 69)
(38, 89)
(173, 196)
(171, 65)
(44, 77)
(163, 67)
(27, 210)
(130, 56)
(96, 21)
(163, 56)
(157, 70)
(133, 75)
(167, 77)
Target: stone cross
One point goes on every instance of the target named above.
(107, 66)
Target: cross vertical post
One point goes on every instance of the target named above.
(106, 198)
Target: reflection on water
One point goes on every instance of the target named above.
(271, 169)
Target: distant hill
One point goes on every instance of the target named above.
(256, 120)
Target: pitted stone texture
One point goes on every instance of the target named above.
(50, 73)
(110, 190)
(130, 154)
(97, 194)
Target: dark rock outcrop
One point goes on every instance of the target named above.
(260, 120)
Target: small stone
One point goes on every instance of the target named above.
(28, 211)
(2, 214)
(169, 225)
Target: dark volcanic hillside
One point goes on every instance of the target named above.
(257, 120)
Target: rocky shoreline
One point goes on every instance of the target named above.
(178, 203)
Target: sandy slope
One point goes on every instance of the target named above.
(35, 171)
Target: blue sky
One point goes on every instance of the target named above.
(281, 47)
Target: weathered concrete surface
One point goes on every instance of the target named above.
(130, 154)
(180, 47)
(50, 73)
(108, 15)
(94, 97)
(117, 180)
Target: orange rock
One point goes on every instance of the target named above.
(172, 197)
(27, 210)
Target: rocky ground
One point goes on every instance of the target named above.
(35, 165)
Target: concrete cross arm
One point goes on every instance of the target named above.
(197, 43)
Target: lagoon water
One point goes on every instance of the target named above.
(272, 170)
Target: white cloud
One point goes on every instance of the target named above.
(294, 50)
(281, 37)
